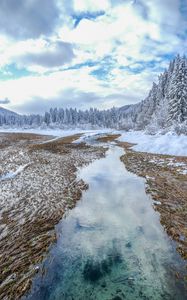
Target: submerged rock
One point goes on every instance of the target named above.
(116, 298)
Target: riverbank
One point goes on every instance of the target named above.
(37, 185)
(166, 182)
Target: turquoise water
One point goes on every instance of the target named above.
(111, 246)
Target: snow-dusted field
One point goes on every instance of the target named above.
(170, 144)
(37, 185)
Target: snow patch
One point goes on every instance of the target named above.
(170, 144)
(11, 174)
(183, 172)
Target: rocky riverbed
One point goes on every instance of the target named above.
(37, 185)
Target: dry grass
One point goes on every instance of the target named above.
(125, 145)
(61, 145)
(8, 139)
(108, 138)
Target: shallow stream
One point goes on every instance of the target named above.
(111, 246)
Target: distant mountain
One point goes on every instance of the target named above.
(8, 117)
(164, 109)
(6, 112)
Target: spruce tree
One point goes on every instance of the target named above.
(177, 94)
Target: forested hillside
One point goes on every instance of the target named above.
(166, 104)
(164, 108)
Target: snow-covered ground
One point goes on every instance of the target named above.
(171, 144)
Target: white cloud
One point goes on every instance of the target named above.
(38, 55)
(120, 23)
(28, 19)
(90, 5)
(47, 86)
(66, 85)
(165, 13)
(130, 33)
(121, 31)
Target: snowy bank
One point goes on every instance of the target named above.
(162, 144)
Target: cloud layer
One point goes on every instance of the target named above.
(28, 19)
(86, 53)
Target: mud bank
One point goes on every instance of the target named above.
(108, 138)
(166, 181)
(34, 200)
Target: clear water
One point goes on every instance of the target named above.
(111, 246)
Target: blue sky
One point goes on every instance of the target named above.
(84, 53)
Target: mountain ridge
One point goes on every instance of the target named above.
(7, 111)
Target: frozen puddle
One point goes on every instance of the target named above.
(11, 174)
(111, 246)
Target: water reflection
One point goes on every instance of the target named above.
(111, 246)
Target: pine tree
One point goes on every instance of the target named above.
(177, 95)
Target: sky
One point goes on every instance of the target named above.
(85, 53)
